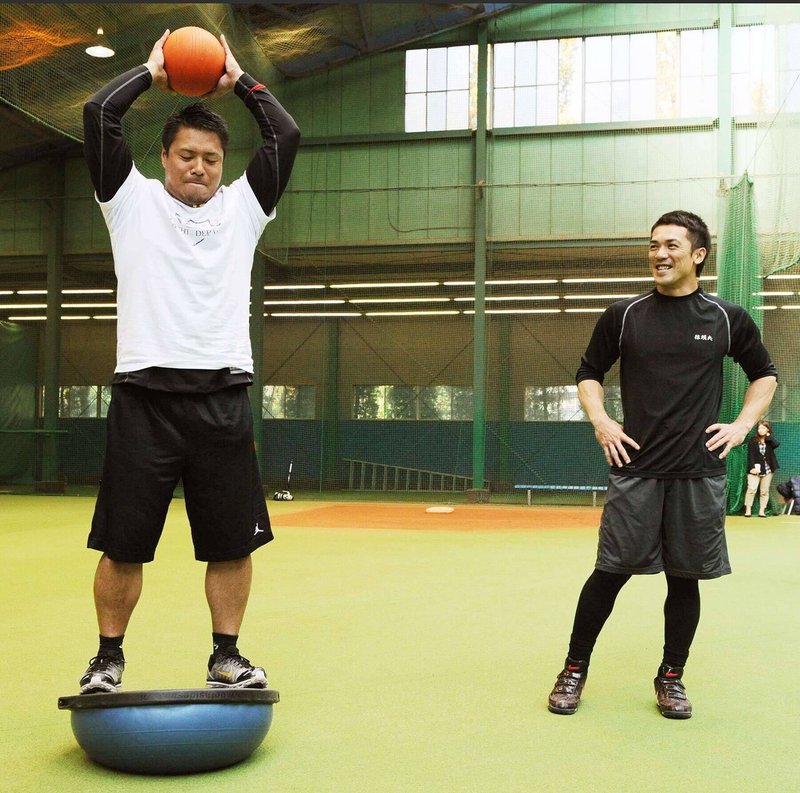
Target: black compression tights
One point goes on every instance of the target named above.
(596, 602)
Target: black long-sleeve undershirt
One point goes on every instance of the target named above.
(108, 155)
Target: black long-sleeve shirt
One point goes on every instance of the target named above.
(671, 351)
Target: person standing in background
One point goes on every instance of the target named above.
(761, 465)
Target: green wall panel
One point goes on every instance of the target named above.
(629, 153)
(355, 96)
(567, 221)
(598, 210)
(535, 211)
(597, 166)
(567, 159)
(630, 209)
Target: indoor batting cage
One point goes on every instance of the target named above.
(475, 185)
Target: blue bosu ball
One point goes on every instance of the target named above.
(179, 731)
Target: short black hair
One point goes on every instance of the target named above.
(195, 116)
(696, 230)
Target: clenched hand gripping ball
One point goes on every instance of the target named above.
(194, 60)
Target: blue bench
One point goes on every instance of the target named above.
(595, 489)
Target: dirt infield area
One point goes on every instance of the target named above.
(467, 517)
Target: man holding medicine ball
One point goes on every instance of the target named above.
(183, 252)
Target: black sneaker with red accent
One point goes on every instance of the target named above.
(671, 693)
(566, 694)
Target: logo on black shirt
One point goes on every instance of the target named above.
(703, 337)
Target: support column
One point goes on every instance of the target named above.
(52, 333)
(725, 115)
(479, 322)
(504, 406)
(330, 405)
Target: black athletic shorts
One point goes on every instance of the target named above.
(157, 438)
(675, 526)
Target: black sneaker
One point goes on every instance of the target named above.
(104, 675)
(671, 693)
(228, 669)
(566, 694)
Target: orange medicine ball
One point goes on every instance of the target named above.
(194, 60)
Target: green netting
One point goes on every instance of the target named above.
(738, 280)
(18, 351)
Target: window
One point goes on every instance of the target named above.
(441, 88)
(664, 75)
(409, 402)
(628, 77)
(84, 401)
(561, 403)
(289, 402)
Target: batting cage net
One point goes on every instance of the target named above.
(422, 301)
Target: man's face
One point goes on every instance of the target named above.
(672, 260)
(193, 165)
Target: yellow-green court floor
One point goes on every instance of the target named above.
(416, 659)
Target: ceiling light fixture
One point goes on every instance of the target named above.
(100, 48)
(519, 311)
(399, 300)
(292, 287)
(324, 314)
(387, 284)
(411, 313)
(321, 302)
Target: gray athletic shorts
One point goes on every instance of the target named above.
(675, 526)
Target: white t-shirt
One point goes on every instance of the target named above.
(183, 275)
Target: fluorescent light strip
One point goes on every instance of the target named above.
(772, 294)
(87, 291)
(321, 302)
(519, 311)
(38, 318)
(791, 308)
(314, 314)
(400, 300)
(505, 282)
(22, 306)
(6, 292)
(764, 308)
(104, 316)
(88, 305)
(584, 310)
(508, 297)
(619, 280)
(292, 287)
(31, 291)
(386, 284)
(597, 297)
(783, 277)
(411, 313)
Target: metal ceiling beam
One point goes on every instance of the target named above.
(397, 37)
(301, 20)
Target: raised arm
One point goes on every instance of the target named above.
(269, 170)
(104, 146)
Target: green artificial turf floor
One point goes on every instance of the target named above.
(415, 660)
